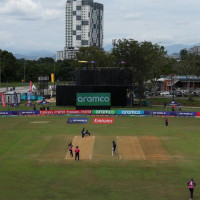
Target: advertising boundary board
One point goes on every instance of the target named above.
(105, 112)
(168, 113)
(103, 120)
(14, 113)
(4, 113)
(27, 112)
(184, 114)
(130, 112)
(160, 113)
(101, 113)
(77, 120)
(65, 112)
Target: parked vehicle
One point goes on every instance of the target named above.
(196, 93)
(179, 94)
(165, 93)
(186, 94)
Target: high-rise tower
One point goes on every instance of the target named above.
(84, 26)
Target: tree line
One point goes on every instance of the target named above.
(148, 62)
(15, 70)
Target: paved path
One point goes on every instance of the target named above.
(17, 89)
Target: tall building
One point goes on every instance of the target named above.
(195, 50)
(84, 27)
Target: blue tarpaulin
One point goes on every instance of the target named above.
(43, 102)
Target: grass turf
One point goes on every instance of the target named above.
(32, 164)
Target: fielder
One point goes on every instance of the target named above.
(191, 185)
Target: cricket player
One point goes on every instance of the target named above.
(191, 185)
(83, 132)
(87, 133)
(114, 147)
(71, 149)
(166, 121)
(77, 151)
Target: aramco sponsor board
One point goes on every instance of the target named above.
(117, 112)
(131, 112)
(105, 112)
(93, 99)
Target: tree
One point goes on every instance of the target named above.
(45, 60)
(93, 54)
(187, 65)
(144, 58)
(65, 70)
(197, 67)
(168, 66)
(9, 66)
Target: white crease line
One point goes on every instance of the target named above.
(118, 146)
(141, 148)
(93, 148)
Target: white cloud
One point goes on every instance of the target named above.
(28, 10)
(6, 38)
(132, 16)
(40, 24)
(20, 8)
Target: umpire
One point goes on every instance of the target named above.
(77, 151)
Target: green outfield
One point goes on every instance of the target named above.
(154, 162)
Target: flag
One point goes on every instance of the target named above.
(3, 100)
(15, 98)
(31, 86)
(29, 97)
(52, 78)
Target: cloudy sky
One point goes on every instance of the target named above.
(40, 24)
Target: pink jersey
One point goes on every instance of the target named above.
(77, 150)
(70, 147)
(191, 184)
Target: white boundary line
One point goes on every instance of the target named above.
(117, 147)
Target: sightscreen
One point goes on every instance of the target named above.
(67, 95)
